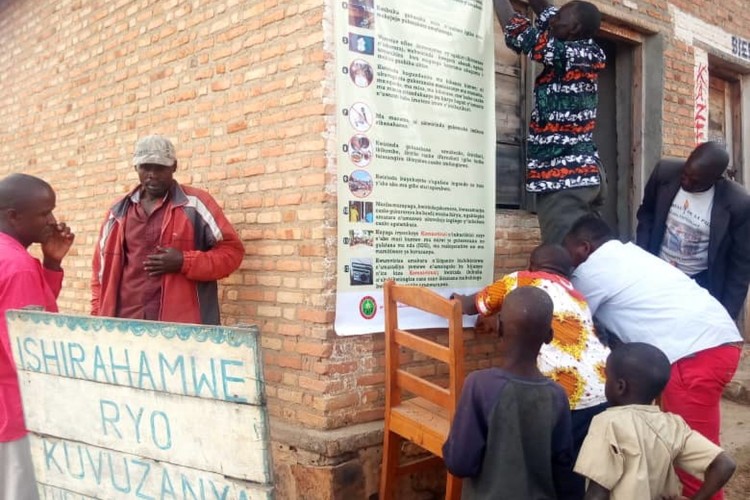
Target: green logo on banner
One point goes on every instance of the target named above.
(368, 307)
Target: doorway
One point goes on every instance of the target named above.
(725, 115)
(613, 133)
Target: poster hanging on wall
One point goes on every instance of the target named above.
(416, 153)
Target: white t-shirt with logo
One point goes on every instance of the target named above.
(685, 243)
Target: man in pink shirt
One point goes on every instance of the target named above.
(26, 205)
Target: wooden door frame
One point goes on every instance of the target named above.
(647, 46)
(738, 100)
(629, 106)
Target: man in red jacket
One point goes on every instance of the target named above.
(162, 247)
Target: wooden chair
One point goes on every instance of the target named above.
(425, 418)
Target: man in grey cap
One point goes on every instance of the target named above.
(163, 246)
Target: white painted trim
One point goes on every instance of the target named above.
(745, 136)
(728, 123)
(691, 29)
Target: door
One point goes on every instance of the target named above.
(613, 133)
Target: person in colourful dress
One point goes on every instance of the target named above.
(563, 169)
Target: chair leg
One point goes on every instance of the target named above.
(452, 487)
(391, 456)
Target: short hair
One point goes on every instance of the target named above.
(16, 189)
(712, 155)
(531, 309)
(589, 18)
(591, 228)
(551, 256)
(644, 367)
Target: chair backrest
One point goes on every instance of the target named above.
(397, 379)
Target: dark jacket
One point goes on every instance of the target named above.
(729, 240)
(210, 247)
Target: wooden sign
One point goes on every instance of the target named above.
(122, 409)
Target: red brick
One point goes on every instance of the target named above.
(240, 87)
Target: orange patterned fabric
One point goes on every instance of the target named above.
(600, 371)
(575, 358)
(570, 334)
(571, 381)
(490, 299)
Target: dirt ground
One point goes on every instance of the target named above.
(735, 435)
(735, 438)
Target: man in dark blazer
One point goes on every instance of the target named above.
(699, 221)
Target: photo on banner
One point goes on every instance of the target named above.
(415, 96)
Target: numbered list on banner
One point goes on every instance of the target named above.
(416, 156)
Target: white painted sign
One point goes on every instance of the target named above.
(700, 96)
(131, 409)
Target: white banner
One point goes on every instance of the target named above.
(416, 160)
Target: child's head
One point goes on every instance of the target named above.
(551, 258)
(526, 320)
(576, 20)
(636, 374)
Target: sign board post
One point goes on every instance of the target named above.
(122, 409)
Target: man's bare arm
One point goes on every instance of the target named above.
(539, 6)
(716, 476)
(504, 11)
(596, 491)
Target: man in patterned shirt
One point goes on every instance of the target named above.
(575, 358)
(563, 167)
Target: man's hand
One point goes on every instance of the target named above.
(164, 261)
(487, 325)
(504, 11)
(467, 303)
(57, 245)
(540, 6)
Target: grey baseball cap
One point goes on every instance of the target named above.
(154, 149)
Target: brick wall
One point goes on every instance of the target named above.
(244, 89)
(731, 16)
(679, 136)
(238, 86)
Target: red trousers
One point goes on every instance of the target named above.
(694, 392)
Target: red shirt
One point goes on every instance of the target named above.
(23, 282)
(140, 294)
